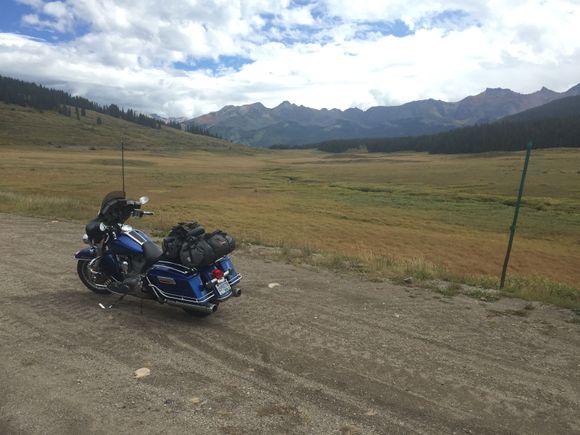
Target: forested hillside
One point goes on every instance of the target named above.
(556, 124)
(26, 94)
(564, 108)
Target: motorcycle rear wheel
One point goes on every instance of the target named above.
(196, 313)
(88, 278)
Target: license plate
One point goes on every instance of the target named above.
(223, 287)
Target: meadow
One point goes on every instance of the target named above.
(27, 127)
(394, 215)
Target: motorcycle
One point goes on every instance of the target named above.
(125, 261)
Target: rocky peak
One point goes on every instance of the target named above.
(574, 90)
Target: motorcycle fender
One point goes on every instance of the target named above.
(226, 264)
(86, 254)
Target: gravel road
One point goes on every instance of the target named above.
(319, 354)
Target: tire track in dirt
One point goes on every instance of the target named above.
(320, 354)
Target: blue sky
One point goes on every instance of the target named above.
(11, 20)
(189, 57)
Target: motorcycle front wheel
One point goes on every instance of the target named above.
(91, 280)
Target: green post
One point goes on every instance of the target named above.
(516, 213)
(123, 165)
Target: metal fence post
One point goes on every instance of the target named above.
(516, 213)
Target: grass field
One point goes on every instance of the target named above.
(27, 127)
(396, 215)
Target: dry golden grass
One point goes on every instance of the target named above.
(428, 216)
(26, 127)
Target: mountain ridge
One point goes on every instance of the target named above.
(290, 124)
(552, 125)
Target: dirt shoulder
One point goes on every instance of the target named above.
(318, 354)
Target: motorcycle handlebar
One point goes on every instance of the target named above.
(141, 213)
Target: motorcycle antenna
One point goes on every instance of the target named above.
(123, 165)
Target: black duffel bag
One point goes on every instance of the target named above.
(205, 250)
(178, 236)
(196, 253)
(221, 242)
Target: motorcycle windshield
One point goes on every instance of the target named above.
(111, 196)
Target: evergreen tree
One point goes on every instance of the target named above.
(13, 91)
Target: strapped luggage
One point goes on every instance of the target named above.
(188, 244)
(207, 249)
(178, 235)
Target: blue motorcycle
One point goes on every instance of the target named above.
(197, 275)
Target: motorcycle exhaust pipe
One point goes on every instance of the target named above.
(237, 292)
(211, 308)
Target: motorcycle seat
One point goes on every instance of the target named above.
(151, 252)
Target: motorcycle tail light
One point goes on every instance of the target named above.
(217, 274)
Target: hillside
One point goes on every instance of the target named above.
(23, 126)
(556, 124)
(289, 124)
(562, 108)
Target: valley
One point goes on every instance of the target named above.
(395, 216)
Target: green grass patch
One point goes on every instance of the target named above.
(449, 290)
(543, 290)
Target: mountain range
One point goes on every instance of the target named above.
(290, 124)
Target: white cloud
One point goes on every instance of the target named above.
(58, 16)
(328, 53)
(34, 3)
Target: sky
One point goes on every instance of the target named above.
(189, 57)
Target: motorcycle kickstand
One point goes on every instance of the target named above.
(113, 304)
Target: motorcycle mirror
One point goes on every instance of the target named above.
(102, 226)
(143, 200)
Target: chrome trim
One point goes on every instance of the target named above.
(135, 239)
(170, 265)
(211, 308)
(178, 298)
(175, 270)
(95, 274)
(91, 263)
(141, 234)
(174, 264)
(236, 279)
(223, 298)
